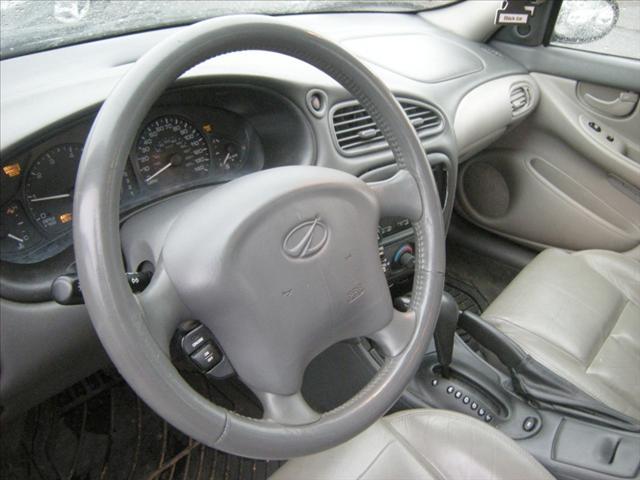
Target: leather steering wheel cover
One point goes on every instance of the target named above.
(115, 312)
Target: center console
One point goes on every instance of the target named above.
(396, 248)
(475, 377)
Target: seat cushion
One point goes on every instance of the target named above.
(420, 444)
(578, 314)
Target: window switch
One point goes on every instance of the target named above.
(206, 357)
(595, 126)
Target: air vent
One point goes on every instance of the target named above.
(355, 131)
(519, 98)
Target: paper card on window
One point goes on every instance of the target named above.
(514, 12)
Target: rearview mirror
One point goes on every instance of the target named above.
(581, 21)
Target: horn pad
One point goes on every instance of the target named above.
(281, 265)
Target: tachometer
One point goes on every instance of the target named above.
(171, 151)
(49, 187)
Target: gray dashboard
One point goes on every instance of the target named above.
(192, 138)
(258, 101)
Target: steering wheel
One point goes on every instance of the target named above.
(279, 264)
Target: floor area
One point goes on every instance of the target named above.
(480, 276)
(99, 429)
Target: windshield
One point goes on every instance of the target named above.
(28, 26)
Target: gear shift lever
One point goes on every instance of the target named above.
(445, 332)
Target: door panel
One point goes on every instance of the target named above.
(568, 176)
(586, 66)
(608, 101)
(586, 130)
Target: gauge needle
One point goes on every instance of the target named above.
(13, 237)
(226, 159)
(158, 172)
(51, 197)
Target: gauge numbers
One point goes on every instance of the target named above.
(171, 151)
(49, 187)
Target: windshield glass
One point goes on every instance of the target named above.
(33, 25)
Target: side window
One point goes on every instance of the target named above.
(610, 27)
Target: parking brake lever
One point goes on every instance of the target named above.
(445, 332)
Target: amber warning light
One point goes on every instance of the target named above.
(65, 218)
(12, 170)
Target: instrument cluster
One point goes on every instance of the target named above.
(176, 149)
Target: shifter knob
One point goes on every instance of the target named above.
(445, 332)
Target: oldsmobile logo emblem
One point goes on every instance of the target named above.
(306, 239)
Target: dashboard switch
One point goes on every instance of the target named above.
(194, 339)
(206, 357)
(138, 281)
(404, 256)
(66, 290)
(407, 260)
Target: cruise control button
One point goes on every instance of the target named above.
(458, 394)
(434, 382)
(481, 412)
(466, 400)
(194, 339)
(206, 357)
(450, 389)
(474, 405)
(488, 418)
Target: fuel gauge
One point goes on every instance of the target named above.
(227, 155)
(17, 234)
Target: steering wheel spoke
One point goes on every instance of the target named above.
(398, 196)
(395, 337)
(287, 409)
(163, 308)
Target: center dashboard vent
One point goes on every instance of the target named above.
(355, 132)
(520, 98)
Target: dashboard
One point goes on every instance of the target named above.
(226, 118)
(177, 148)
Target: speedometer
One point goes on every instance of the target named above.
(171, 151)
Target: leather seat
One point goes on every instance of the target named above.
(578, 314)
(420, 444)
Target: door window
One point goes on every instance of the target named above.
(609, 27)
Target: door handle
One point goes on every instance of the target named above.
(618, 107)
